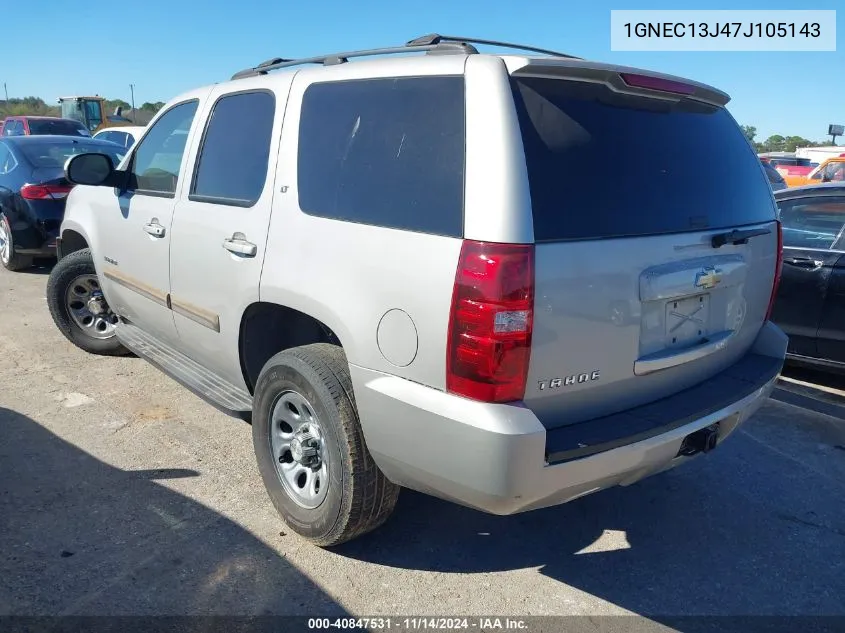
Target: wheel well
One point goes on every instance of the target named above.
(72, 242)
(269, 328)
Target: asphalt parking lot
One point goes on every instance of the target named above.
(123, 493)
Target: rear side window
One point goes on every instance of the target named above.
(813, 222)
(385, 152)
(232, 165)
(602, 164)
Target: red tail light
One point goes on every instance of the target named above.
(491, 322)
(778, 271)
(45, 192)
(657, 83)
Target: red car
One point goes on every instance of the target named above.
(31, 125)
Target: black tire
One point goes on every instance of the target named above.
(359, 497)
(63, 274)
(16, 261)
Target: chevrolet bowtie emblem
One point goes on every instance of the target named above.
(708, 278)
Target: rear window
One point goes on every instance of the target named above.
(46, 126)
(602, 164)
(54, 155)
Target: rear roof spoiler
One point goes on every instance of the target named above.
(612, 76)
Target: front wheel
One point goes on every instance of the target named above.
(310, 448)
(79, 308)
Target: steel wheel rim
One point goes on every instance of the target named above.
(5, 244)
(88, 308)
(292, 418)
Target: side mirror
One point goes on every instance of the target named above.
(91, 169)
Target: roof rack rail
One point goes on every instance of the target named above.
(432, 44)
(340, 58)
(436, 38)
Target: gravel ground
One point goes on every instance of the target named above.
(123, 493)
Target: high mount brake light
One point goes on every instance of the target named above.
(657, 83)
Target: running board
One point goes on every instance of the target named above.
(218, 392)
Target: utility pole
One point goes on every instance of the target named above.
(132, 90)
(6, 90)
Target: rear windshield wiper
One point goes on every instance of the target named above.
(736, 237)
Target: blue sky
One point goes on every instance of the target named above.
(168, 46)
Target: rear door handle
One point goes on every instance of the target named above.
(803, 262)
(238, 245)
(154, 228)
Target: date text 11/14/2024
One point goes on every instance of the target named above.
(418, 624)
(727, 29)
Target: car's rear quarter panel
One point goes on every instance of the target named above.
(348, 275)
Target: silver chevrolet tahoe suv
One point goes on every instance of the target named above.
(497, 279)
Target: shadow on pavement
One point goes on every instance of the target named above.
(748, 529)
(39, 267)
(80, 537)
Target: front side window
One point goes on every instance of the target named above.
(234, 155)
(384, 152)
(94, 114)
(158, 158)
(813, 222)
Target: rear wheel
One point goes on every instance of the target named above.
(10, 260)
(310, 448)
(79, 308)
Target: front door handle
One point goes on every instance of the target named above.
(238, 245)
(803, 262)
(154, 228)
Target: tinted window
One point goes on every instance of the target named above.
(774, 176)
(387, 152)
(603, 164)
(157, 160)
(8, 126)
(813, 222)
(232, 166)
(54, 154)
(57, 126)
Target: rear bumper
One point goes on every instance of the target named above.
(500, 459)
(37, 239)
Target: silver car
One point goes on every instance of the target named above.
(413, 271)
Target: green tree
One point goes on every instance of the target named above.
(152, 107)
(750, 132)
(775, 143)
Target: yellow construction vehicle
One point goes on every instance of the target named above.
(91, 111)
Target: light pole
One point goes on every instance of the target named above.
(132, 90)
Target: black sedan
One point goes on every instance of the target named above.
(810, 305)
(33, 191)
